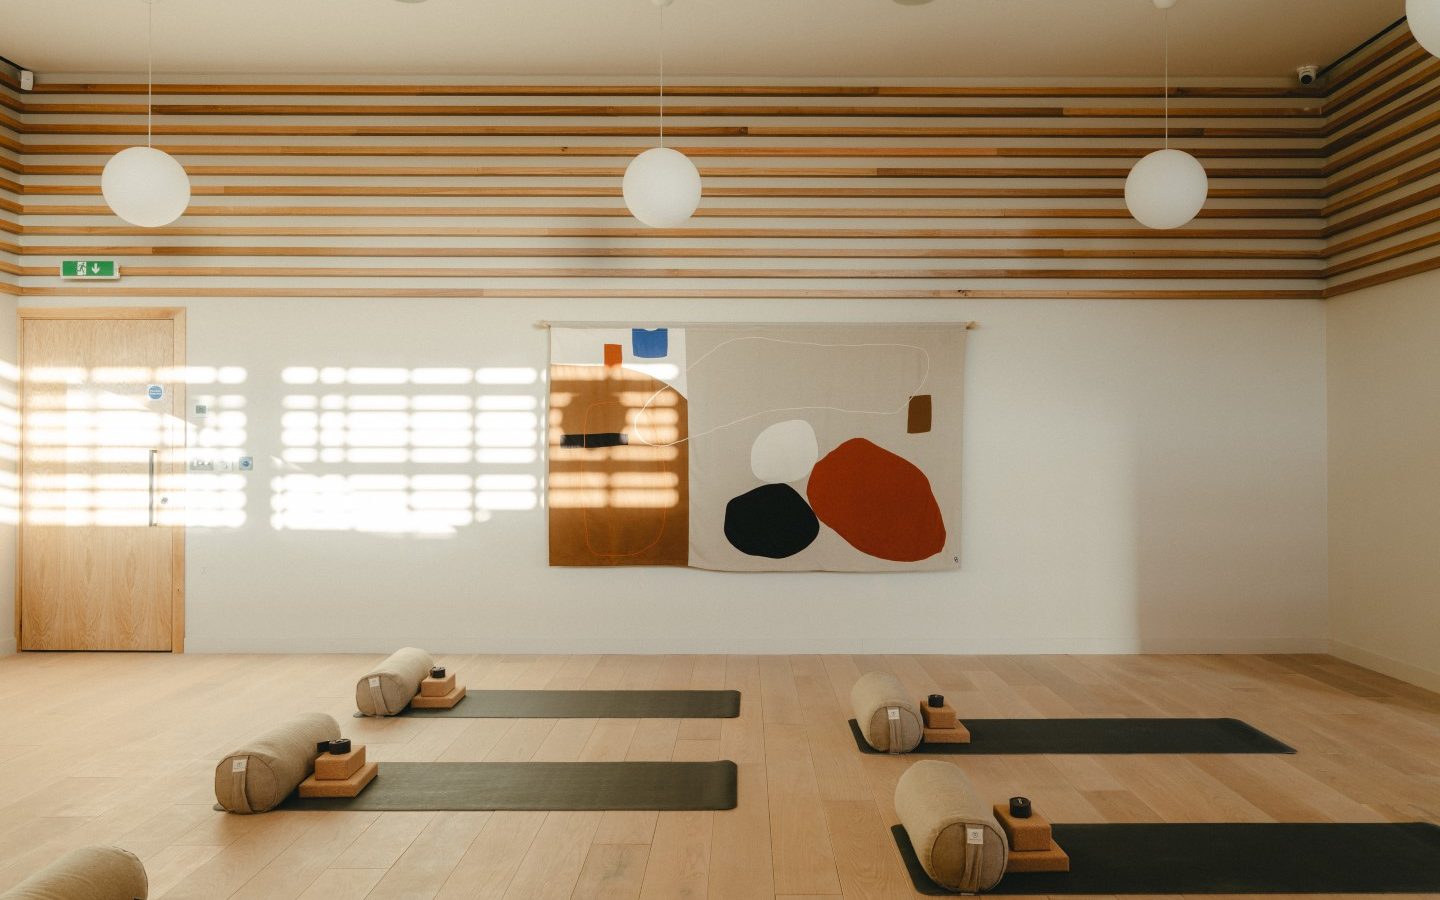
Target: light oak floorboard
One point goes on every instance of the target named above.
(131, 765)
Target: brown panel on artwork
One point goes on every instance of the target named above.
(918, 421)
(613, 356)
(625, 505)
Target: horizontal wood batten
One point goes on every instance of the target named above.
(769, 252)
(678, 293)
(678, 111)
(1152, 132)
(1135, 233)
(815, 274)
(712, 212)
(1277, 173)
(676, 90)
(697, 152)
(981, 193)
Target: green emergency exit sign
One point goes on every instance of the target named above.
(89, 268)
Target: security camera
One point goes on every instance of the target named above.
(1308, 75)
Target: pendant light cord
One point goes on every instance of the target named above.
(149, 71)
(662, 76)
(1167, 79)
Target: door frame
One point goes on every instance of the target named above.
(177, 532)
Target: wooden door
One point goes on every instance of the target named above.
(102, 455)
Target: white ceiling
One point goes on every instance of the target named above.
(740, 38)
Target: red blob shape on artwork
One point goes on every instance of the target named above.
(880, 503)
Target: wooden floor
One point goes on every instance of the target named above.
(119, 748)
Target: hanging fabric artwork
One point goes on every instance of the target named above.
(757, 447)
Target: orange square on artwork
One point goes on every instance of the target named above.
(612, 355)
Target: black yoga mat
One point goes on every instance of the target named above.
(590, 705)
(1101, 736)
(539, 786)
(1260, 858)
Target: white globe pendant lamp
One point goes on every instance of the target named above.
(1424, 17)
(662, 186)
(1168, 188)
(142, 185)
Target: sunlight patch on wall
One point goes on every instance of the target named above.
(430, 459)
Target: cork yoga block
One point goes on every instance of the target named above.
(956, 735)
(344, 787)
(336, 767)
(437, 687)
(955, 835)
(944, 717)
(256, 777)
(875, 698)
(87, 873)
(1051, 859)
(443, 702)
(386, 689)
(1025, 835)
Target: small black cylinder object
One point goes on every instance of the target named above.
(437, 671)
(1020, 807)
(340, 747)
(936, 701)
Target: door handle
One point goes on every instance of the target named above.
(154, 457)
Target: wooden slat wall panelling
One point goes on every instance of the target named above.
(1383, 215)
(10, 195)
(811, 191)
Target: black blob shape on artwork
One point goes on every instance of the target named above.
(773, 521)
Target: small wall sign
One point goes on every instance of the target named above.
(90, 269)
(155, 392)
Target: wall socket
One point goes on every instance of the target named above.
(199, 464)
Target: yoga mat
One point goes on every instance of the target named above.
(539, 786)
(1251, 858)
(590, 705)
(1101, 736)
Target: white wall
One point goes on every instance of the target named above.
(1384, 412)
(1138, 476)
(9, 485)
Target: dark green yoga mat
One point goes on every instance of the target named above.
(1101, 737)
(590, 705)
(1250, 858)
(539, 786)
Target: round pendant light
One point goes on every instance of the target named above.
(142, 185)
(1424, 16)
(145, 186)
(1168, 188)
(662, 186)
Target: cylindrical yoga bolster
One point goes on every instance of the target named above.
(89, 873)
(256, 777)
(954, 832)
(872, 698)
(388, 688)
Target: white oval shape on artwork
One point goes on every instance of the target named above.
(786, 451)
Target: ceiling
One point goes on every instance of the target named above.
(736, 38)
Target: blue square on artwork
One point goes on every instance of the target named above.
(650, 343)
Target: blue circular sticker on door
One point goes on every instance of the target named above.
(155, 392)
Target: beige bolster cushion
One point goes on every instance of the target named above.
(89, 873)
(266, 770)
(954, 832)
(399, 679)
(872, 698)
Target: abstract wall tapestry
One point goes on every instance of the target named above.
(756, 447)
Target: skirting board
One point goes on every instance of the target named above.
(449, 643)
(1416, 675)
